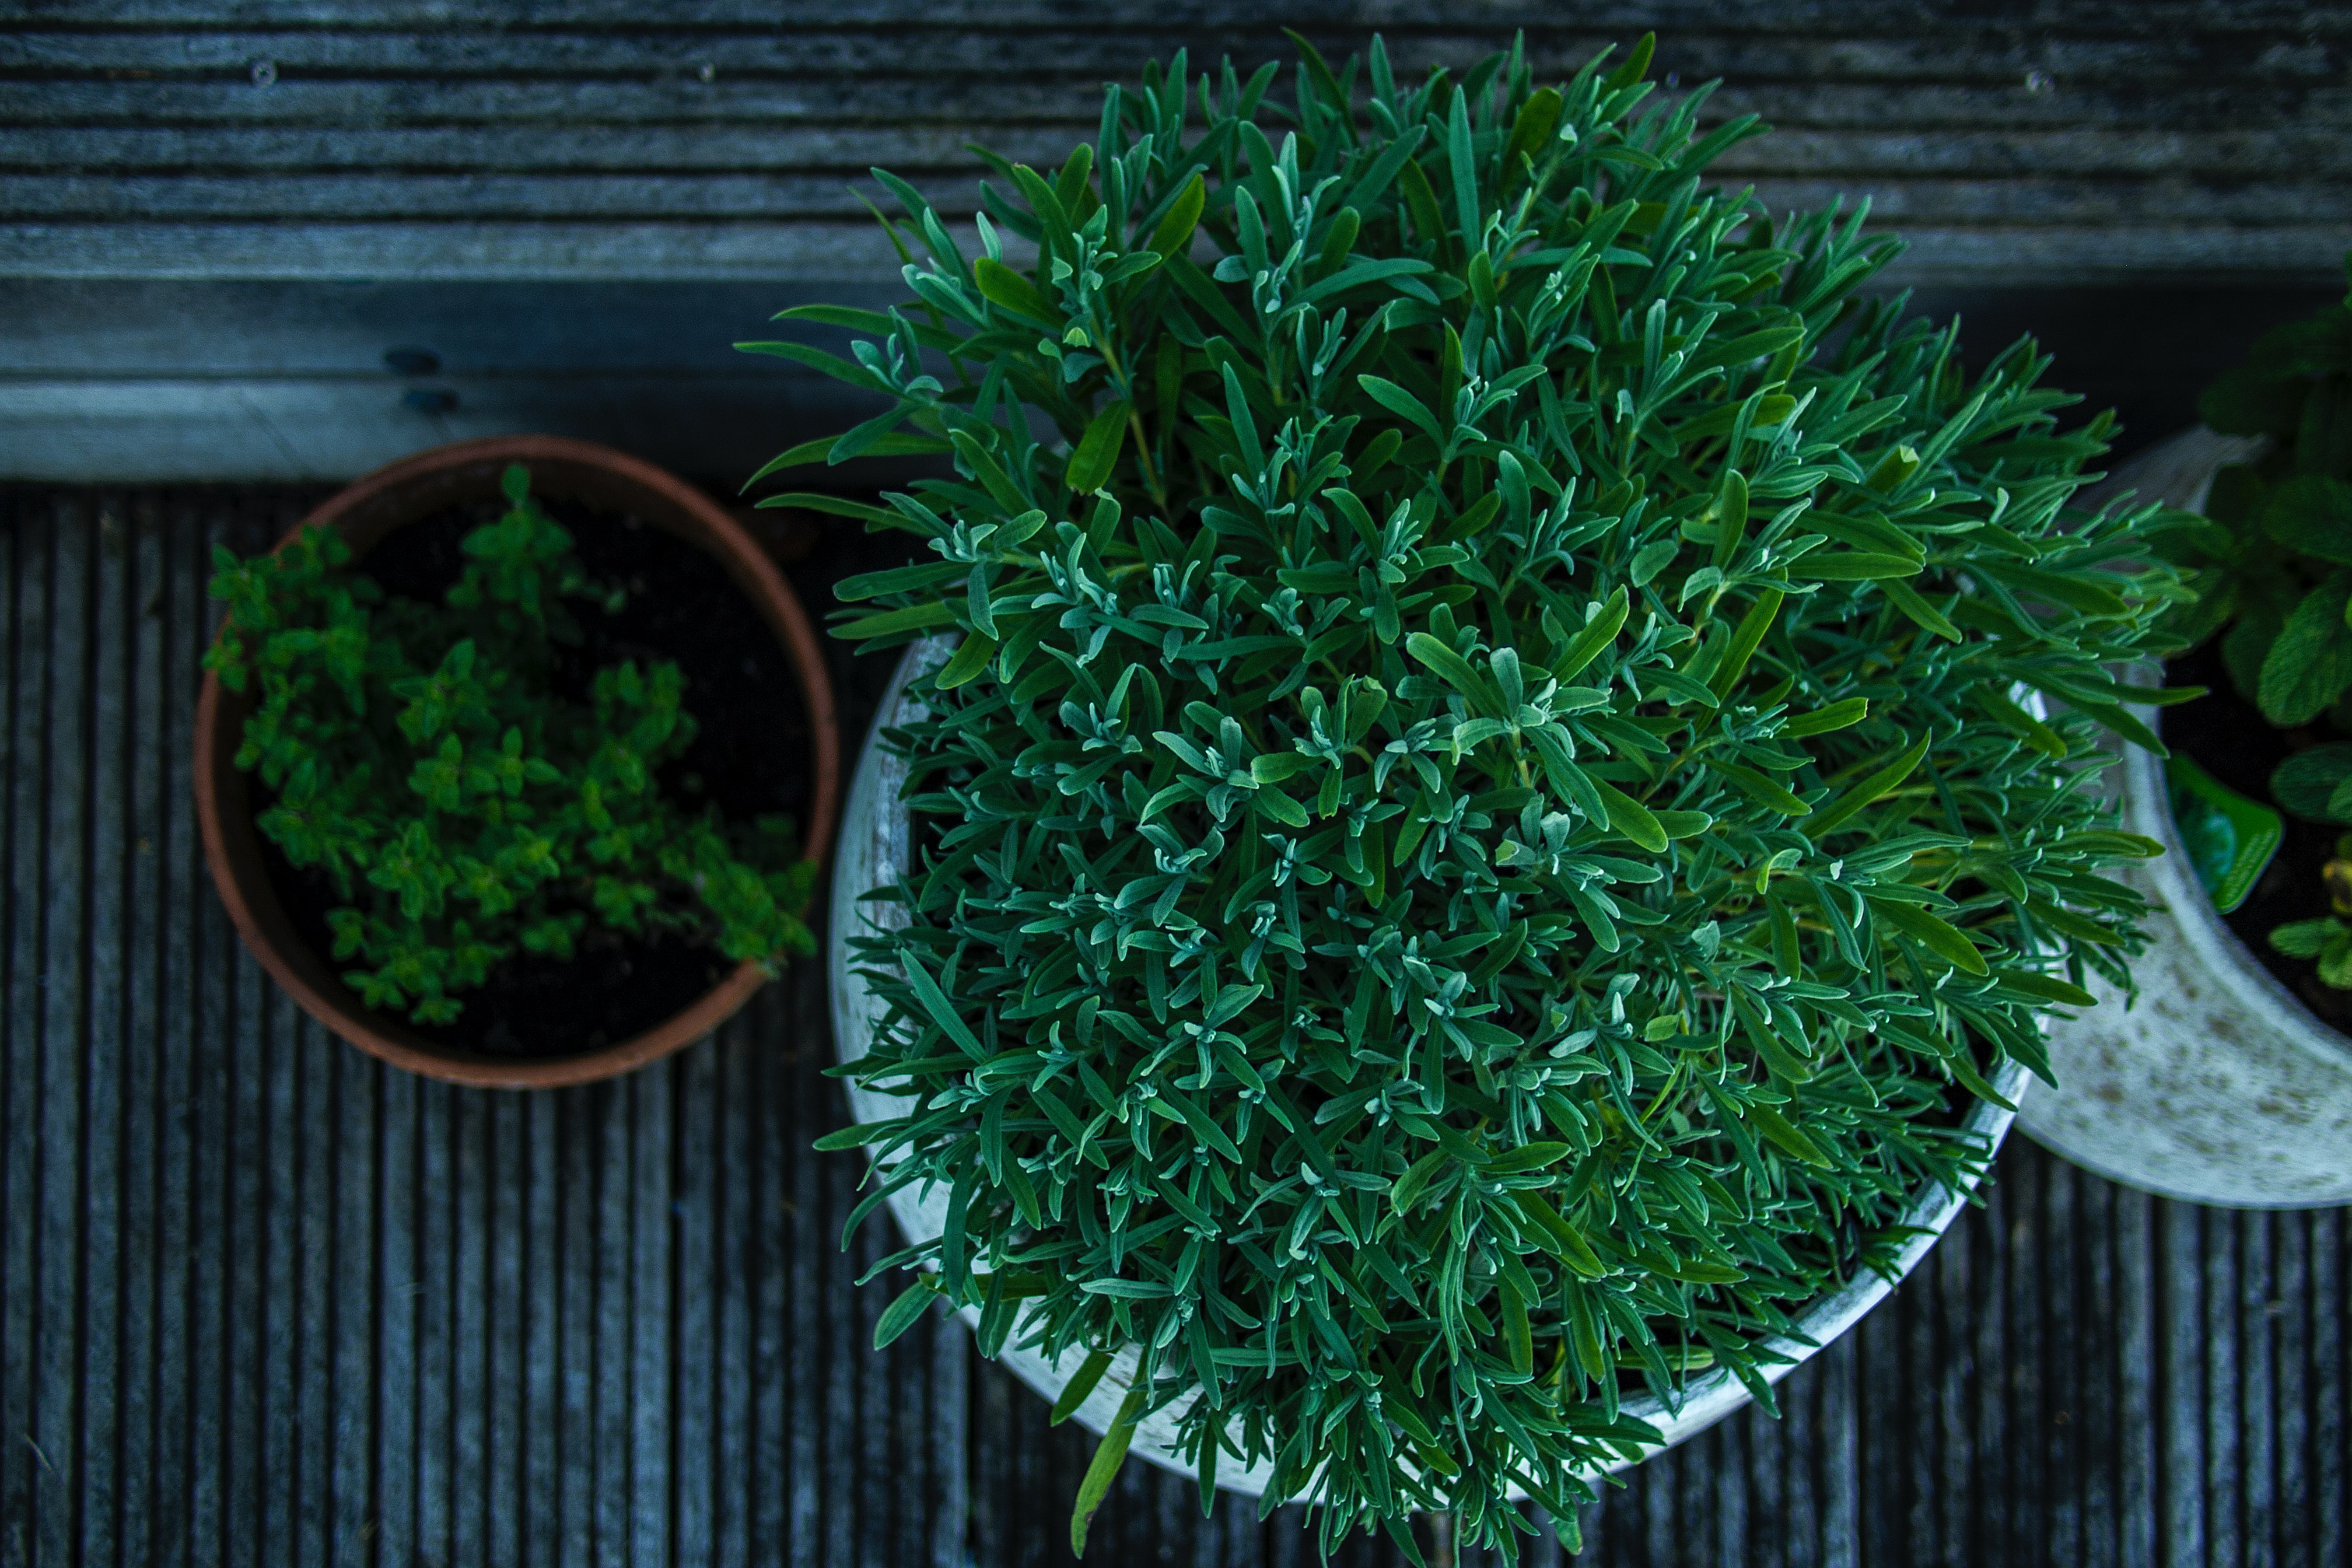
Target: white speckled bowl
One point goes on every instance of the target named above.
(2219, 1086)
(874, 847)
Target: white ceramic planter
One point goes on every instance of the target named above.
(2218, 1086)
(873, 850)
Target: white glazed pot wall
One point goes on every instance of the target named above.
(2218, 1085)
(875, 851)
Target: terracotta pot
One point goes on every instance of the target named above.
(405, 491)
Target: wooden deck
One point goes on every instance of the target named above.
(598, 139)
(264, 1302)
(216, 216)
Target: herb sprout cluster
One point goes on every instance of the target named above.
(461, 809)
(1488, 813)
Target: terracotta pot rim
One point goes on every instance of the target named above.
(232, 848)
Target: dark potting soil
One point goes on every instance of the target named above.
(2231, 738)
(749, 757)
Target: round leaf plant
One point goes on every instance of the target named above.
(1488, 811)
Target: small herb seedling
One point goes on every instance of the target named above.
(461, 811)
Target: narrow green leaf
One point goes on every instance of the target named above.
(1596, 634)
(1456, 672)
(1631, 817)
(1786, 1135)
(1870, 789)
(1010, 291)
(1109, 1455)
(1850, 567)
(1913, 604)
(1841, 714)
(906, 1311)
(1933, 933)
(971, 658)
(1175, 230)
(1074, 1392)
(1096, 453)
(935, 1002)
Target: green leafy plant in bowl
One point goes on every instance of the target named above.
(1490, 807)
(462, 810)
(2271, 565)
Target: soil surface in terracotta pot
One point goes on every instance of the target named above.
(2228, 737)
(749, 757)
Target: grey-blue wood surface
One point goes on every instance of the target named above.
(2012, 140)
(217, 215)
(265, 1302)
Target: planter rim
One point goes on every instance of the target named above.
(2147, 807)
(2244, 979)
(869, 841)
(232, 843)
(2218, 1085)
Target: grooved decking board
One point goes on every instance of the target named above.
(263, 1300)
(2045, 141)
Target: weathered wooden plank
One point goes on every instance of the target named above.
(653, 1398)
(475, 1237)
(397, 1319)
(212, 1200)
(778, 1455)
(106, 949)
(2289, 1310)
(2257, 1329)
(736, 1249)
(699, 1211)
(1897, 198)
(578, 1119)
(65, 980)
(19, 1143)
(1722, 1465)
(977, 101)
(353, 1083)
(506, 1329)
(860, 252)
(2225, 1392)
(437, 1196)
(2183, 1287)
(548, 105)
(948, 1437)
(541, 1372)
(1931, 1531)
(1951, 52)
(2331, 1391)
(852, 252)
(1833, 17)
(2068, 1418)
(847, 151)
(612, 1498)
(139, 1131)
(938, 157)
(2136, 1368)
(239, 1138)
(311, 1405)
(272, 1147)
(811, 1413)
(181, 632)
(847, 1317)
